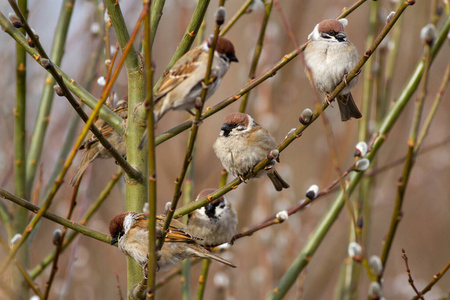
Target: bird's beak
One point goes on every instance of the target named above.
(234, 58)
(113, 240)
(341, 36)
(226, 129)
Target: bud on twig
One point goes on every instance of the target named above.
(306, 116)
(14, 19)
(362, 164)
(167, 207)
(15, 239)
(58, 90)
(57, 234)
(220, 15)
(375, 290)
(46, 63)
(428, 34)
(376, 265)
(101, 81)
(311, 193)
(390, 16)
(282, 216)
(361, 149)
(355, 251)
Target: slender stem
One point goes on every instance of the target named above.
(433, 109)
(19, 221)
(409, 162)
(257, 52)
(156, 10)
(391, 64)
(45, 106)
(93, 208)
(151, 175)
(59, 245)
(202, 279)
(410, 279)
(352, 268)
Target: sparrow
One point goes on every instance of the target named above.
(214, 223)
(330, 57)
(130, 231)
(242, 143)
(184, 82)
(94, 149)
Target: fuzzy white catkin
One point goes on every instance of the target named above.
(362, 148)
(362, 164)
(282, 215)
(375, 289)
(354, 249)
(314, 190)
(35, 297)
(376, 264)
(15, 239)
(101, 81)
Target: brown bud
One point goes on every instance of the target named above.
(306, 116)
(57, 234)
(58, 90)
(220, 15)
(14, 19)
(46, 63)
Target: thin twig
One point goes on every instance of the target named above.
(257, 52)
(147, 46)
(409, 162)
(410, 279)
(59, 245)
(436, 278)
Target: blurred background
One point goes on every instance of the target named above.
(93, 270)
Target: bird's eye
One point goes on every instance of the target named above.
(330, 33)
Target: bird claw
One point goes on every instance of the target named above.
(328, 99)
(345, 79)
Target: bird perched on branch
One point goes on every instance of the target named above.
(130, 231)
(184, 82)
(242, 143)
(94, 149)
(329, 56)
(214, 223)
